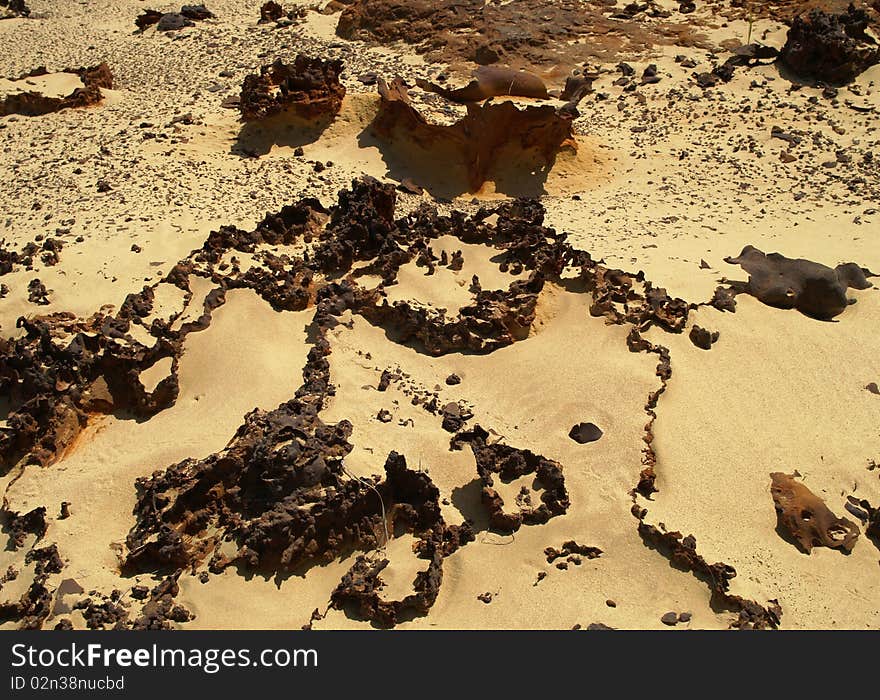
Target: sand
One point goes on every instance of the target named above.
(666, 178)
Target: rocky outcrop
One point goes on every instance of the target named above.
(62, 369)
(812, 288)
(415, 507)
(508, 463)
(14, 8)
(477, 140)
(270, 12)
(279, 498)
(521, 34)
(830, 48)
(682, 552)
(34, 104)
(703, 338)
(309, 87)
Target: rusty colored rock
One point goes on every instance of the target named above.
(804, 517)
(277, 498)
(414, 505)
(33, 103)
(477, 139)
(682, 552)
(570, 548)
(61, 369)
(521, 34)
(147, 18)
(308, 86)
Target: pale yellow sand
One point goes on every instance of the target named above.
(50, 85)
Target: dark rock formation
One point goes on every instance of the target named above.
(308, 86)
(869, 516)
(571, 550)
(61, 369)
(19, 526)
(520, 34)
(33, 104)
(804, 517)
(746, 55)
(48, 560)
(160, 610)
(147, 18)
(32, 608)
(415, 507)
(196, 12)
(831, 48)
(682, 552)
(278, 498)
(173, 21)
(510, 463)
(582, 433)
(14, 8)
(703, 338)
(809, 287)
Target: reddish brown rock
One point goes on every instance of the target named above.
(570, 548)
(173, 21)
(278, 492)
(310, 87)
(702, 338)
(490, 81)
(520, 34)
(477, 139)
(271, 11)
(682, 552)
(33, 104)
(804, 517)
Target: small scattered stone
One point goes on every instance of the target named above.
(670, 619)
(703, 338)
(582, 433)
